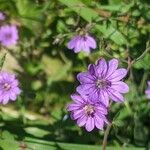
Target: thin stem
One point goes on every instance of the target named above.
(142, 84)
(143, 54)
(106, 136)
(130, 63)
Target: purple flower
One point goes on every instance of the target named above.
(87, 113)
(147, 92)
(8, 35)
(102, 81)
(2, 16)
(9, 89)
(82, 43)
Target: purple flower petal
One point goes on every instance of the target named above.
(115, 96)
(16, 90)
(120, 87)
(99, 123)
(147, 91)
(91, 42)
(2, 16)
(12, 96)
(72, 43)
(76, 98)
(94, 95)
(101, 109)
(85, 77)
(78, 46)
(85, 88)
(82, 121)
(81, 43)
(72, 107)
(112, 66)
(85, 47)
(101, 68)
(89, 124)
(118, 75)
(78, 113)
(5, 99)
(104, 98)
(91, 70)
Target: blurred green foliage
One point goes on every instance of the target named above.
(48, 71)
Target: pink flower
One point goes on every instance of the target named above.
(87, 113)
(82, 43)
(103, 82)
(9, 89)
(8, 35)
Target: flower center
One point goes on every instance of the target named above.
(102, 83)
(8, 36)
(84, 38)
(89, 109)
(6, 86)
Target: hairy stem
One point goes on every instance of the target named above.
(106, 136)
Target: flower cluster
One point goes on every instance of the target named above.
(9, 89)
(100, 84)
(147, 92)
(8, 33)
(9, 85)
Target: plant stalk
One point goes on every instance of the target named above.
(107, 131)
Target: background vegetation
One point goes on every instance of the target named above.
(47, 72)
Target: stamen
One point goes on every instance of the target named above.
(8, 36)
(6, 86)
(89, 109)
(103, 83)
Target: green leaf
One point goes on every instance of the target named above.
(43, 145)
(35, 144)
(90, 14)
(141, 63)
(7, 139)
(6, 145)
(140, 132)
(30, 15)
(7, 135)
(2, 60)
(37, 132)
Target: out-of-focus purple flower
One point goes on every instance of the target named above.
(87, 113)
(147, 92)
(9, 89)
(8, 35)
(102, 81)
(82, 43)
(2, 16)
